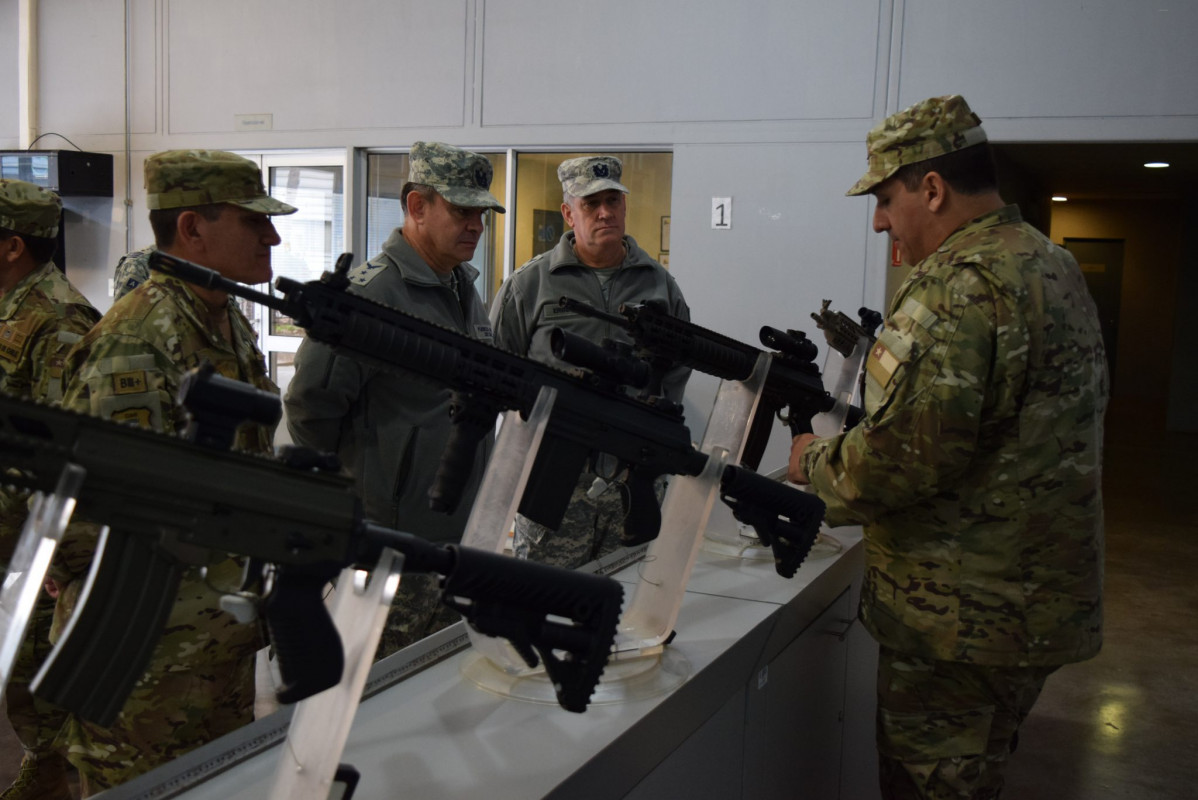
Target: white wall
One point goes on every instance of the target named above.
(765, 101)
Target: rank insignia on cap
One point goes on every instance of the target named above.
(482, 178)
(600, 170)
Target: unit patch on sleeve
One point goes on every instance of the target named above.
(12, 342)
(881, 363)
(132, 382)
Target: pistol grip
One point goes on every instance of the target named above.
(642, 520)
(306, 642)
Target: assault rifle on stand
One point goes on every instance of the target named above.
(793, 392)
(169, 503)
(590, 414)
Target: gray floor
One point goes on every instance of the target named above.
(1125, 724)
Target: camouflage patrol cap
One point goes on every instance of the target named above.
(927, 129)
(458, 175)
(587, 175)
(186, 178)
(29, 209)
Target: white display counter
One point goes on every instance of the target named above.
(761, 713)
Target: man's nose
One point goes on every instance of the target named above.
(881, 224)
(272, 236)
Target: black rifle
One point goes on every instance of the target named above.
(841, 331)
(591, 414)
(170, 502)
(793, 383)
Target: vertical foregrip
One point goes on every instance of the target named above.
(472, 420)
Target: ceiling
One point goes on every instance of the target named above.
(1104, 170)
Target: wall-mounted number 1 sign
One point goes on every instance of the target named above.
(721, 213)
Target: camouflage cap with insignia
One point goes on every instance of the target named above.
(461, 177)
(587, 175)
(29, 209)
(186, 178)
(928, 129)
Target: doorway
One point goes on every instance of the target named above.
(1101, 261)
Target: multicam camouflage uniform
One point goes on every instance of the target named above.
(524, 313)
(199, 682)
(390, 429)
(41, 319)
(132, 270)
(977, 476)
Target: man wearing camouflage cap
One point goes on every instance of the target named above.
(41, 317)
(977, 470)
(132, 270)
(209, 207)
(390, 429)
(595, 262)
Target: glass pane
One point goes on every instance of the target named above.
(386, 173)
(314, 235)
(539, 223)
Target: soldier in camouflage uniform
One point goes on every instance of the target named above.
(208, 207)
(390, 429)
(41, 317)
(132, 270)
(597, 263)
(976, 471)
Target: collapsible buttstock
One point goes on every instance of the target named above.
(785, 518)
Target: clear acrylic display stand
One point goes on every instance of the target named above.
(840, 378)
(641, 665)
(43, 529)
(311, 753)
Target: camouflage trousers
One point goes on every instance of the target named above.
(416, 612)
(946, 729)
(36, 722)
(167, 715)
(590, 529)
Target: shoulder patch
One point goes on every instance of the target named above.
(365, 273)
(919, 313)
(881, 363)
(133, 382)
(12, 342)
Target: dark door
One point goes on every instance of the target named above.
(1101, 261)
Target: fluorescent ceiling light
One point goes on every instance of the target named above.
(1059, 198)
(1157, 164)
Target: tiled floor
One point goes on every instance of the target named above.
(1123, 726)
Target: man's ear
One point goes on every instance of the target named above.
(568, 214)
(934, 191)
(11, 249)
(416, 207)
(187, 229)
